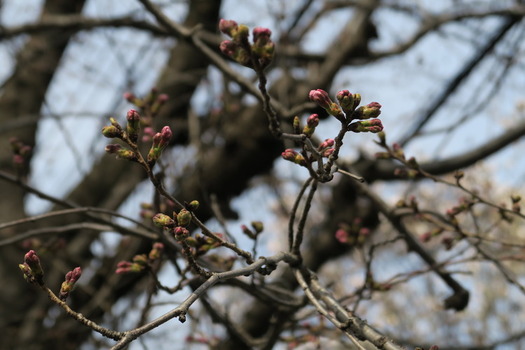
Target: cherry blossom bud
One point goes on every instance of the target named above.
(193, 205)
(181, 233)
(163, 220)
(371, 125)
(133, 125)
(311, 123)
(184, 217)
(293, 156)
(258, 226)
(341, 235)
(371, 110)
(327, 152)
(156, 251)
(346, 100)
(33, 262)
(296, 125)
(228, 27)
(228, 48)
(326, 143)
(111, 131)
(70, 280)
(320, 97)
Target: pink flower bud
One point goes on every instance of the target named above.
(313, 120)
(371, 125)
(261, 36)
(371, 110)
(32, 260)
(69, 282)
(166, 135)
(320, 97)
(228, 48)
(326, 143)
(341, 235)
(289, 154)
(346, 100)
(181, 233)
(228, 27)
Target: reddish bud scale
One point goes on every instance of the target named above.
(32, 260)
(228, 27)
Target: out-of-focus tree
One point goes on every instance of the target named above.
(411, 222)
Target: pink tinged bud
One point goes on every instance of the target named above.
(320, 97)
(181, 233)
(129, 96)
(289, 154)
(326, 143)
(371, 110)
(133, 125)
(227, 27)
(127, 266)
(156, 251)
(32, 260)
(341, 235)
(166, 135)
(184, 217)
(313, 120)
(346, 100)
(70, 280)
(228, 48)
(372, 125)
(327, 152)
(261, 36)
(163, 220)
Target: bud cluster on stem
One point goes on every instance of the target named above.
(240, 50)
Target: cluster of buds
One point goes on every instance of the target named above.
(352, 234)
(177, 224)
(260, 53)
(253, 232)
(32, 269)
(326, 148)
(69, 282)
(160, 141)
(346, 110)
(141, 261)
(150, 104)
(21, 153)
